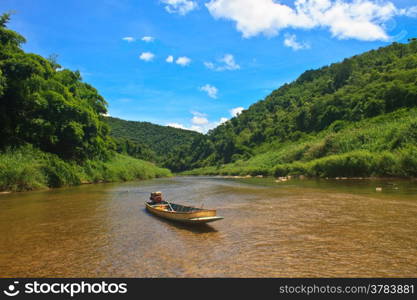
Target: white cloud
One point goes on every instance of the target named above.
(183, 61)
(291, 41)
(227, 63)
(147, 56)
(176, 125)
(236, 111)
(199, 118)
(128, 39)
(148, 39)
(182, 126)
(210, 90)
(199, 123)
(209, 65)
(181, 7)
(356, 19)
(409, 12)
(170, 59)
(223, 120)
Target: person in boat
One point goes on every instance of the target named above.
(156, 197)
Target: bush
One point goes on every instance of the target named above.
(60, 173)
(281, 170)
(28, 168)
(408, 161)
(359, 163)
(20, 170)
(386, 164)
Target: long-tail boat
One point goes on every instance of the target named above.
(182, 213)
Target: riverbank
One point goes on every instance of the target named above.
(28, 168)
(384, 146)
(361, 163)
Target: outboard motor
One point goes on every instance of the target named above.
(156, 197)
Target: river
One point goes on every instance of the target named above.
(298, 228)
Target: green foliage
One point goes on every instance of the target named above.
(357, 163)
(381, 146)
(135, 149)
(149, 141)
(60, 173)
(52, 129)
(28, 168)
(49, 108)
(21, 170)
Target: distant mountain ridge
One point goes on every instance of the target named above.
(161, 140)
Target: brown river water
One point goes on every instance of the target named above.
(298, 228)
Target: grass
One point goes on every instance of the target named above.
(27, 168)
(382, 146)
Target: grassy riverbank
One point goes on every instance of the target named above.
(28, 168)
(383, 146)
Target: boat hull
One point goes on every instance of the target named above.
(199, 216)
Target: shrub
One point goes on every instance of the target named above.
(359, 163)
(19, 170)
(408, 161)
(28, 168)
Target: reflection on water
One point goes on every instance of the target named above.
(298, 228)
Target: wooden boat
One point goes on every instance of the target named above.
(182, 213)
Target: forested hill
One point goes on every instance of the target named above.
(52, 131)
(320, 102)
(161, 140)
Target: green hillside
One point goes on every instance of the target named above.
(380, 146)
(52, 131)
(354, 118)
(156, 140)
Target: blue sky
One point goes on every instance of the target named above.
(226, 54)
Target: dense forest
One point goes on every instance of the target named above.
(52, 129)
(354, 118)
(148, 141)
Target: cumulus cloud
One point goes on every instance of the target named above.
(210, 90)
(199, 118)
(356, 19)
(409, 12)
(223, 120)
(170, 59)
(291, 41)
(176, 125)
(148, 39)
(209, 65)
(147, 56)
(211, 125)
(199, 123)
(236, 111)
(183, 61)
(227, 62)
(128, 39)
(181, 7)
(200, 129)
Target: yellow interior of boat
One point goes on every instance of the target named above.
(161, 207)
